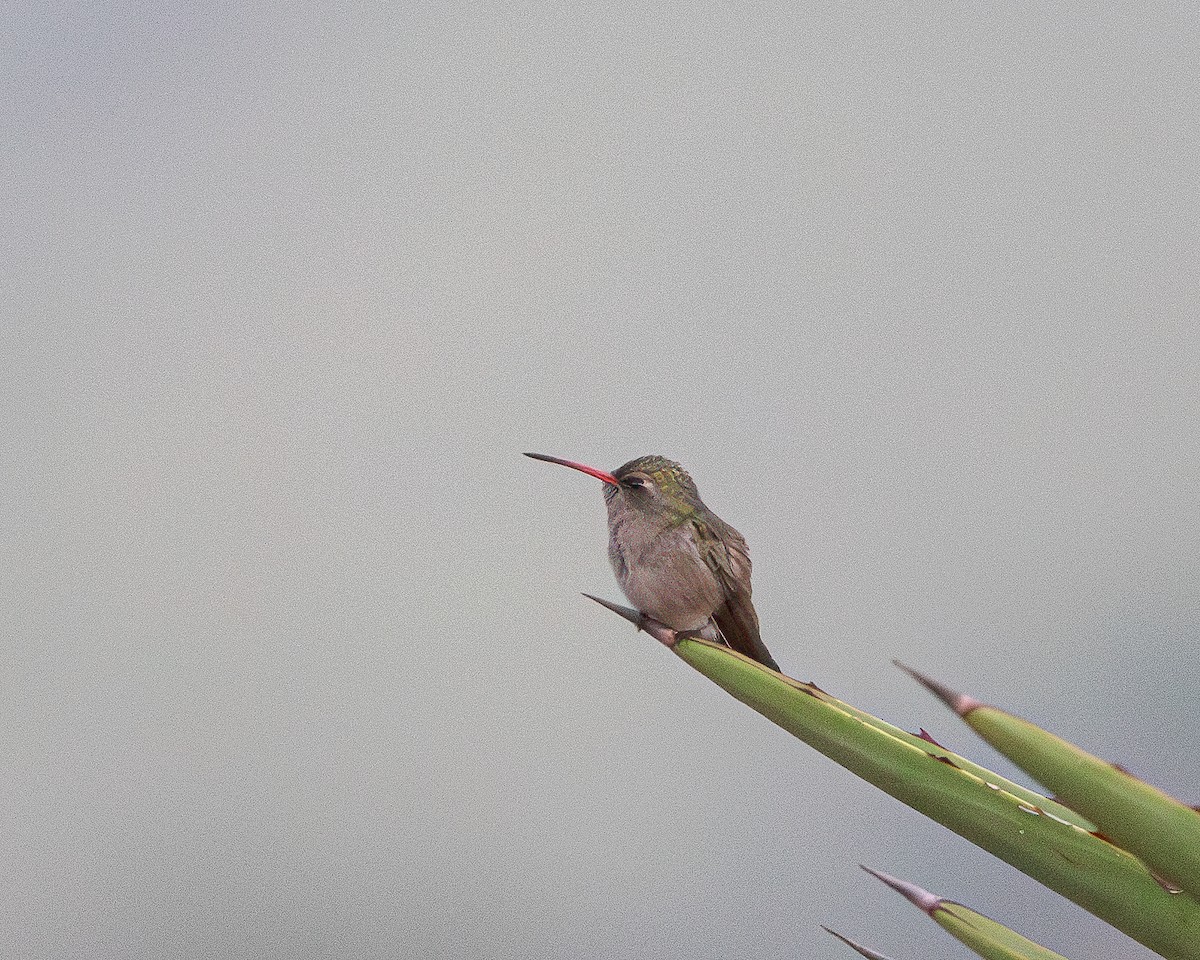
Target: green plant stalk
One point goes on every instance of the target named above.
(985, 936)
(1097, 875)
(1032, 797)
(1155, 827)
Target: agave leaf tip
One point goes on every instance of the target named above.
(920, 898)
(660, 632)
(960, 703)
(865, 951)
(627, 612)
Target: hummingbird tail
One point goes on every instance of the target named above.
(741, 633)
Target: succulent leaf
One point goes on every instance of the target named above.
(1033, 833)
(1160, 830)
(985, 936)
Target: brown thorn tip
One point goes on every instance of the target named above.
(857, 947)
(920, 898)
(960, 703)
(633, 616)
(660, 632)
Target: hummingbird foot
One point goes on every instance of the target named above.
(695, 635)
(659, 631)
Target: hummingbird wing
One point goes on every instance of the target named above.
(726, 553)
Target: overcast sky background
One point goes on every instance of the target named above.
(296, 663)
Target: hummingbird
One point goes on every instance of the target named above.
(676, 560)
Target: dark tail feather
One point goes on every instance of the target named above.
(738, 624)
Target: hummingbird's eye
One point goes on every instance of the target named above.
(635, 483)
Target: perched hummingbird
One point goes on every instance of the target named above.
(676, 560)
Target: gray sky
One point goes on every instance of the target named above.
(297, 664)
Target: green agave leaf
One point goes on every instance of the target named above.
(1142, 819)
(932, 747)
(985, 936)
(1017, 827)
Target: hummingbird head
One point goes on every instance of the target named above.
(651, 485)
(655, 483)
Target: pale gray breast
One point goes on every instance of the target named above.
(664, 576)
